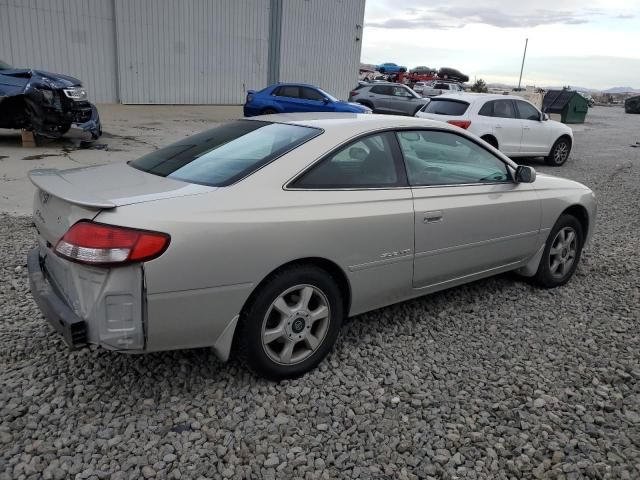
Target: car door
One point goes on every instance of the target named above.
(404, 102)
(288, 96)
(536, 136)
(471, 218)
(315, 101)
(507, 128)
(359, 193)
(381, 96)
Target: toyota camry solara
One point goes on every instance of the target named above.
(260, 236)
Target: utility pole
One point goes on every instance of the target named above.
(526, 42)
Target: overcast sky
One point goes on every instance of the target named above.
(581, 43)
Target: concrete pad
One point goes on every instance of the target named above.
(129, 131)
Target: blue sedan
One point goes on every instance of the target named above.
(390, 68)
(296, 97)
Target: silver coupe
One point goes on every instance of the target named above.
(260, 236)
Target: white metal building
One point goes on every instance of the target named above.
(186, 51)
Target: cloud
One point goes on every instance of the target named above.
(444, 18)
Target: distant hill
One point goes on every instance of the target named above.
(621, 90)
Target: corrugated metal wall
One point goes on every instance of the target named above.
(185, 51)
(321, 43)
(74, 37)
(197, 51)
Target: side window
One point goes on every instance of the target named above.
(503, 109)
(487, 110)
(288, 91)
(444, 158)
(400, 92)
(527, 111)
(311, 94)
(365, 163)
(382, 90)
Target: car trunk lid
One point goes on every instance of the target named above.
(64, 197)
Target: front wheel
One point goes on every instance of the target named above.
(561, 253)
(291, 323)
(559, 153)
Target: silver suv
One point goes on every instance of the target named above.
(390, 98)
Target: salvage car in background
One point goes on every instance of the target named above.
(433, 89)
(632, 105)
(293, 98)
(264, 234)
(48, 104)
(390, 68)
(390, 98)
(507, 122)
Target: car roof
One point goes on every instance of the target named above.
(473, 97)
(351, 123)
(291, 84)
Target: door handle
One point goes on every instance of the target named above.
(432, 217)
(498, 126)
(526, 128)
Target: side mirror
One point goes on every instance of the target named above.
(525, 174)
(326, 101)
(544, 117)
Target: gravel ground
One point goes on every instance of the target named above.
(493, 380)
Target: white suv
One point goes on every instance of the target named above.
(507, 122)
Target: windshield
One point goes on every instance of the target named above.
(4, 65)
(226, 154)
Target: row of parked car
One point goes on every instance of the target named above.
(508, 123)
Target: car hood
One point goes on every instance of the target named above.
(546, 181)
(51, 80)
(110, 186)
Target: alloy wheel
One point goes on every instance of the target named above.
(560, 153)
(295, 324)
(563, 252)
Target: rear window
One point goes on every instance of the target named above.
(226, 154)
(446, 107)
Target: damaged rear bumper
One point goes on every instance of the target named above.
(59, 315)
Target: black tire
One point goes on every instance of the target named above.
(491, 141)
(559, 153)
(269, 111)
(366, 104)
(251, 350)
(545, 276)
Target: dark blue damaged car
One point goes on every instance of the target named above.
(48, 104)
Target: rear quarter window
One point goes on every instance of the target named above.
(446, 107)
(223, 155)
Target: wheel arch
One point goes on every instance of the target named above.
(269, 107)
(491, 139)
(564, 136)
(581, 214)
(328, 266)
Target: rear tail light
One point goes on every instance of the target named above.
(353, 93)
(249, 98)
(464, 124)
(99, 244)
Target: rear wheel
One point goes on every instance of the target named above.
(561, 253)
(559, 153)
(291, 323)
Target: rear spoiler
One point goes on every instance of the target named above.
(50, 181)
